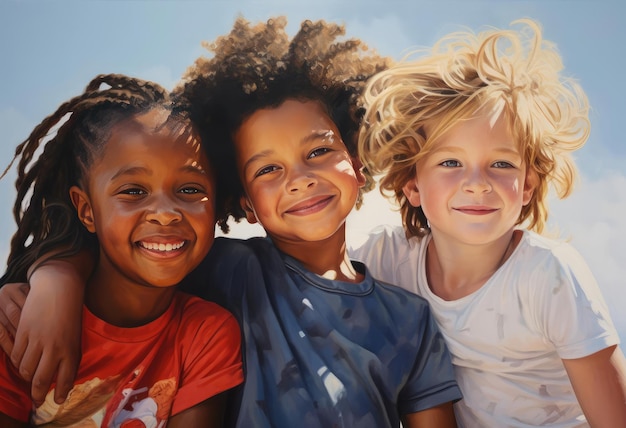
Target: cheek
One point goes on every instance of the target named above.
(433, 201)
(114, 214)
(344, 166)
(202, 220)
(202, 214)
(512, 187)
(262, 196)
(438, 186)
(437, 193)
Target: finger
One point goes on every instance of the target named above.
(29, 361)
(19, 348)
(6, 323)
(13, 311)
(43, 377)
(65, 379)
(6, 340)
(20, 298)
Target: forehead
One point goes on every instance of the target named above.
(488, 121)
(153, 134)
(290, 121)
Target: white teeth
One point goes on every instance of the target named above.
(161, 247)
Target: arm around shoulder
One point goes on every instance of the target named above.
(47, 341)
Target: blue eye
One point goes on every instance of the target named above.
(450, 163)
(502, 164)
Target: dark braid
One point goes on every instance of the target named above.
(43, 210)
(259, 66)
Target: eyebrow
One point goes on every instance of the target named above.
(140, 170)
(315, 135)
(131, 170)
(461, 150)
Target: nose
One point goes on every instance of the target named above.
(164, 211)
(300, 179)
(476, 181)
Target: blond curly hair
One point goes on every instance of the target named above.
(461, 75)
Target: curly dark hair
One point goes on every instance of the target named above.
(259, 66)
(43, 211)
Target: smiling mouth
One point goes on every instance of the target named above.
(476, 210)
(310, 206)
(162, 247)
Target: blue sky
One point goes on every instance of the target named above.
(50, 50)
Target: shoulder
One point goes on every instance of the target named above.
(386, 240)
(228, 257)
(233, 251)
(383, 233)
(391, 256)
(550, 256)
(198, 313)
(404, 302)
(540, 266)
(563, 298)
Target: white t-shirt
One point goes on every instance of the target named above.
(507, 339)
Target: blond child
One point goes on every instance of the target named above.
(468, 138)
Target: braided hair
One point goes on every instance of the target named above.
(43, 211)
(259, 66)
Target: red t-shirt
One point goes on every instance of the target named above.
(140, 376)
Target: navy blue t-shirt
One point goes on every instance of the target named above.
(323, 353)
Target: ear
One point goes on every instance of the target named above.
(247, 207)
(83, 208)
(530, 184)
(412, 193)
(358, 170)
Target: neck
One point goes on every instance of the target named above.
(327, 258)
(121, 302)
(455, 270)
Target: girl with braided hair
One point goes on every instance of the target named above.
(125, 177)
(325, 344)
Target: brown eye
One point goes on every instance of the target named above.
(266, 170)
(319, 151)
(190, 190)
(133, 191)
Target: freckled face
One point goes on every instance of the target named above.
(150, 201)
(301, 183)
(472, 186)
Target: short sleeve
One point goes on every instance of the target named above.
(432, 380)
(571, 312)
(213, 358)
